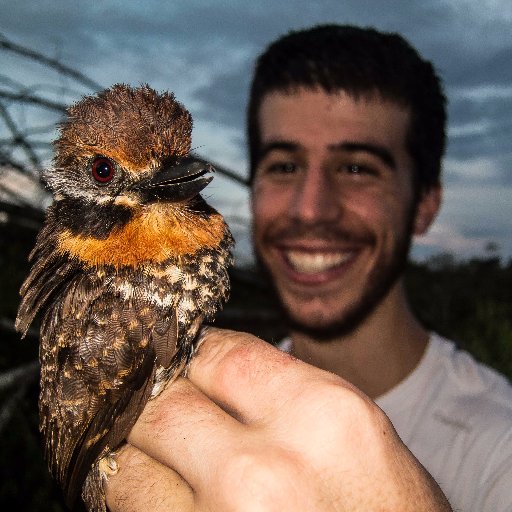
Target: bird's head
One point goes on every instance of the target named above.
(128, 146)
(124, 181)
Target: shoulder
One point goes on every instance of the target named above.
(461, 427)
(477, 397)
(473, 387)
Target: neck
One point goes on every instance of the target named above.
(378, 354)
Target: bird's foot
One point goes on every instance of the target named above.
(93, 492)
(108, 465)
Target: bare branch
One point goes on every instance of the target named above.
(231, 175)
(8, 162)
(33, 143)
(36, 100)
(29, 216)
(53, 63)
(14, 197)
(226, 172)
(18, 138)
(9, 406)
(24, 373)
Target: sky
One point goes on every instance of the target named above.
(204, 52)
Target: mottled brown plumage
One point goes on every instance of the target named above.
(129, 263)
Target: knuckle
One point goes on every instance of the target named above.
(331, 397)
(229, 356)
(335, 411)
(262, 480)
(221, 348)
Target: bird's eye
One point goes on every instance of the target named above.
(102, 170)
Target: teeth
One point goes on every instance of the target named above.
(312, 263)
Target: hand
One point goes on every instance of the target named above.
(253, 429)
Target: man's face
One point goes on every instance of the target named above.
(333, 205)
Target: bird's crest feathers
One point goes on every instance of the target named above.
(135, 127)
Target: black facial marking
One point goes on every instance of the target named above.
(200, 207)
(87, 218)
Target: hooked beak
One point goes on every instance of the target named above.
(178, 182)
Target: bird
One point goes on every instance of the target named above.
(130, 263)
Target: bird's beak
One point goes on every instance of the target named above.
(178, 182)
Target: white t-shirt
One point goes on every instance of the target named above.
(455, 415)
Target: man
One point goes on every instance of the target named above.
(346, 134)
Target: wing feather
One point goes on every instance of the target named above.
(109, 426)
(98, 365)
(46, 281)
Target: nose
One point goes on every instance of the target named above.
(316, 199)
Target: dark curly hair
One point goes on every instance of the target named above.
(361, 62)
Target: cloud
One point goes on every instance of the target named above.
(225, 96)
(204, 51)
(446, 238)
(479, 169)
(471, 217)
(483, 171)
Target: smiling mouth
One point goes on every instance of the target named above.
(316, 262)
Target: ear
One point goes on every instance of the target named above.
(427, 209)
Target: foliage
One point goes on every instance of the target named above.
(469, 302)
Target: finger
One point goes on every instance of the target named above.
(249, 377)
(143, 484)
(177, 429)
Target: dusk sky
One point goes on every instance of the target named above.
(204, 52)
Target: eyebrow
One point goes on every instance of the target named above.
(276, 145)
(381, 152)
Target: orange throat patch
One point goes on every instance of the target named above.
(155, 234)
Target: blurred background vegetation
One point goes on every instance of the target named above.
(467, 301)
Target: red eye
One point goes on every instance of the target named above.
(102, 169)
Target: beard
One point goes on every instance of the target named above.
(380, 281)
